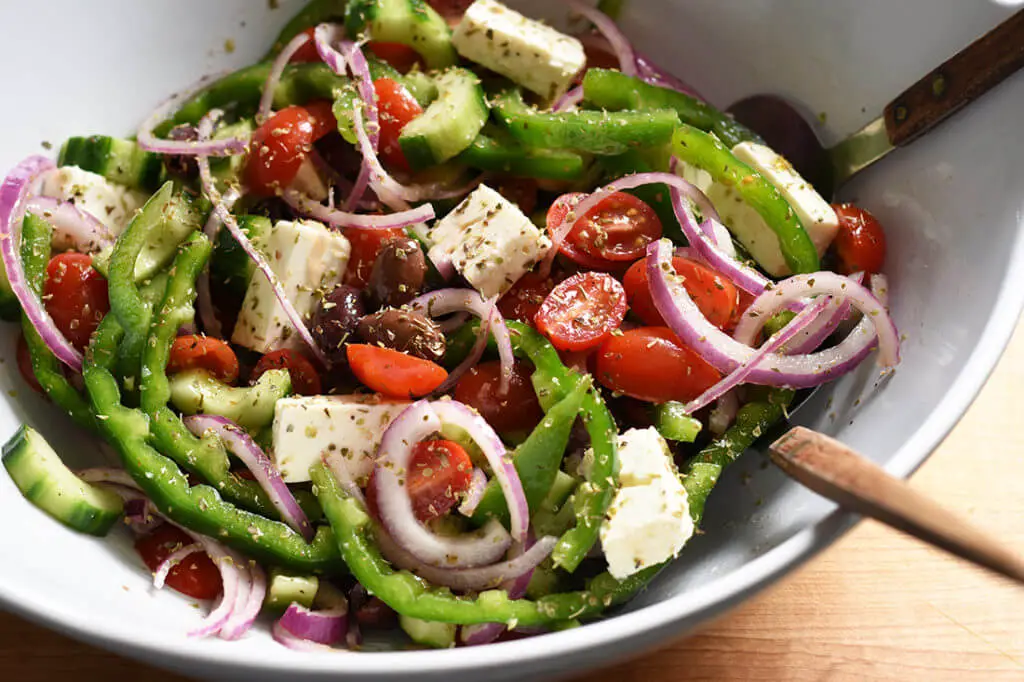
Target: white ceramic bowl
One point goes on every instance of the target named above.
(952, 205)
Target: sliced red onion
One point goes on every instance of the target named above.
(619, 44)
(475, 579)
(446, 301)
(241, 445)
(485, 633)
(108, 475)
(246, 612)
(210, 189)
(172, 560)
(13, 195)
(235, 624)
(655, 75)
(394, 459)
(569, 100)
(795, 371)
(290, 641)
(203, 147)
(274, 77)
(452, 322)
(313, 209)
(322, 627)
(774, 345)
(73, 228)
(233, 581)
(724, 413)
(338, 464)
(475, 493)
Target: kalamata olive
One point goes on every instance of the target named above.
(398, 273)
(185, 166)
(336, 320)
(405, 331)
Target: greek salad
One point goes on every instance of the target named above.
(435, 319)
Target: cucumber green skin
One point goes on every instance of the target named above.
(230, 266)
(450, 124)
(251, 407)
(117, 160)
(288, 588)
(499, 153)
(45, 482)
(428, 633)
(410, 22)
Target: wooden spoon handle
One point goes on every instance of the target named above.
(957, 82)
(833, 470)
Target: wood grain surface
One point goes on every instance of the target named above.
(876, 606)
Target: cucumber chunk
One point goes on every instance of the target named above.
(450, 123)
(410, 22)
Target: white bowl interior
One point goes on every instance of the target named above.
(952, 205)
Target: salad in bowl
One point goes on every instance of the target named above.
(437, 319)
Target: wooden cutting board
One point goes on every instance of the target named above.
(876, 606)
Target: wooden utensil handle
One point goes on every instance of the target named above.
(957, 82)
(833, 470)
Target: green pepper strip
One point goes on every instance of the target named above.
(494, 150)
(615, 91)
(597, 132)
(312, 13)
(36, 234)
(538, 459)
(708, 153)
(199, 508)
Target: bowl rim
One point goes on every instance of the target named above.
(645, 626)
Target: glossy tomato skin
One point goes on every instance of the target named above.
(396, 107)
(524, 299)
(24, 359)
(203, 352)
(651, 364)
(860, 244)
(308, 52)
(440, 472)
(715, 295)
(612, 234)
(366, 245)
(75, 296)
(392, 373)
(582, 311)
(195, 576)
(515, 409)
(305, 378)
(282, 143)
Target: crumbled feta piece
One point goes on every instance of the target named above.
(110, 203)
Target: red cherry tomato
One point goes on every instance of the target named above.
(203, 352)
(282, 143)
(860, 242)
(582, 311)
(651, 364)
(75, 296)
(714, 294)
(612, 233)
(308, 52)
(392, 373)
(523, 300)
(195, 576)
(365, 244)
(400, 56)
(305, 378)
(24, 359)
(515, 409)
(440, 472)
(397, 107)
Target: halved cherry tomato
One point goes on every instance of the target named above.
(24, 359)
(365, 245)
(308, 52)
(439, 473)
(400, 56)
(651, 364)
(397, 107)
(195, 576)
(203, 352)
(714, 294)
(860, 242)
(392, 373)
(75, 296)
(582, 311)
(612, 233)
(515, 409)
(282, 143)
(743, 301)
(305, 378)
(523, 300)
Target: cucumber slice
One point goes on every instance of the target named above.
(450, 123)
(252, 407)
(409, 22)
(288, 588)
(428, 632)
(117, 160)
(230, 266)
(45, 482)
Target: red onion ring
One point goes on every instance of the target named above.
(73, 228)
(724, 413)
(290, 641)
(203, 147)
(324, 627)
(338, 465)
(246, 611)
(651, 73)
(274, 77)
(475, 493)
(313, 209)
(210, 189)
(13, 195)
(242, 446)
(415, 423)
(606, 26)
(485, 633)
(172, 560)
(232, 579)
(569, 99)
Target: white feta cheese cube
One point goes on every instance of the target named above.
(306, 428)
(110, 203)
(489, 240)
(643, 457)
(307, 258)
(527, 51)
